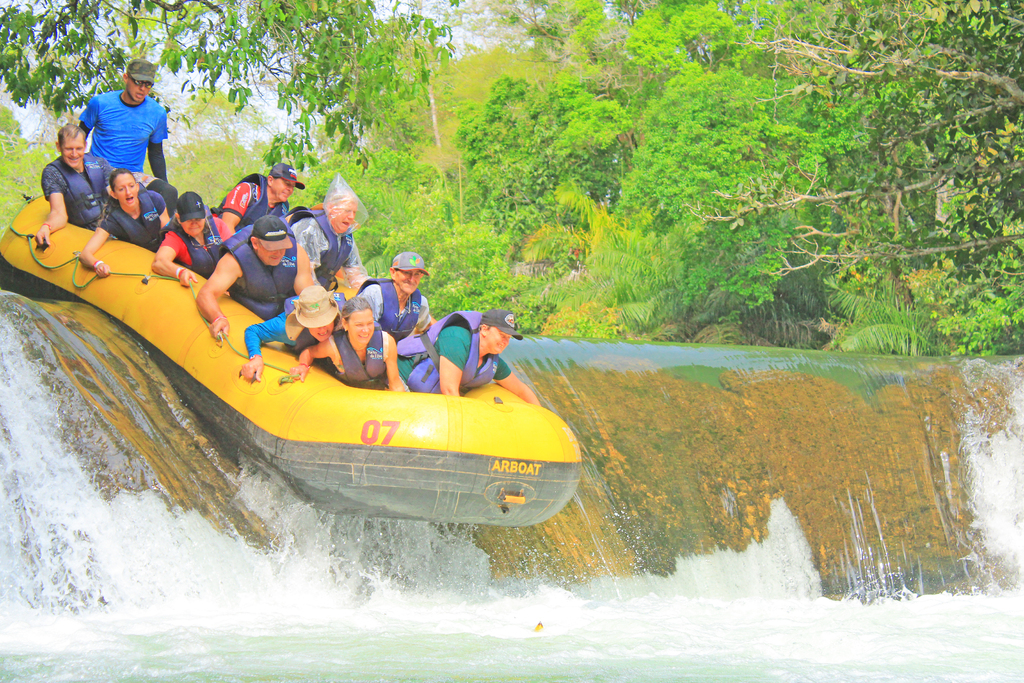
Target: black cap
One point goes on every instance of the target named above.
(502, 319)
(285, 171)
(189, 207)
(272, 232)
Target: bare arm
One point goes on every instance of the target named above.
(304, 276)
(517, 387)
(223, 277)
(451, 376)
(325, 349)
(164, 264)
(305, 360)
(391, 362)
(230, 219)
(55, 220)
(88, 255)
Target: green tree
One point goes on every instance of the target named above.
(327, 61)
(21, 165)
(217, 148)
(527, 139)
(939, 161)
(882, 321)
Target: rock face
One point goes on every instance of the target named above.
(687, 447)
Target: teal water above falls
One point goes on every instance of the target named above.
(720, 503)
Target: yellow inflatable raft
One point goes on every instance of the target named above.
(487, 458)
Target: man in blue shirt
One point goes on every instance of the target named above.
(127, 125)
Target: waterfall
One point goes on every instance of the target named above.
(708, 472)
(994, 443)
(83, 526)
(724, 491)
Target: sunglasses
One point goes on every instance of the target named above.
(142, 84)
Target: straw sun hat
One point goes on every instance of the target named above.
(315, 307)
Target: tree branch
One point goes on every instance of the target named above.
(180, 5)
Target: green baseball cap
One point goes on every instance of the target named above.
(142, 70)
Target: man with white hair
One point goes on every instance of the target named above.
(326, 235)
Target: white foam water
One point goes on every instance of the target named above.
(127, 589)
(996, 470)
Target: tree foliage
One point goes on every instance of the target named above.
(719, 172)
(331, 64)
(20, 166)
(527, 139)
(881, 321)
(939, 161)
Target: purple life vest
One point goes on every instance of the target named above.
(86, 191)
(426, 377)
(143, 231)
(204, 254)
(305, 338)
(373, 374)
(339, 246)
(260, 208)
(389, 317)
(262, 289)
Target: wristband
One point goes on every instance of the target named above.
(97, 264)
(46, 225)
(303, 365)
(177, 273)
(222, 317)
(256, 355)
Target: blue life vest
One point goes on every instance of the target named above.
(305, 338)
(262, 289)
(370, 375)
(389, 320)
(260, 208)
(340, 246)
(87, 190)
(143, 231)
(205, 254)
(425, 376)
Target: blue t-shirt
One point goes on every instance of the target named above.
(121, 134)
(273, 330)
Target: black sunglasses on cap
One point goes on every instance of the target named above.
(142, 84)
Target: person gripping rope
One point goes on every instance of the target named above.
(262, 268)
(364, 356)
(191, 242)
(307, 320)
(74, 184)
(132, 214)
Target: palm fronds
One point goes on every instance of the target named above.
(884, 323)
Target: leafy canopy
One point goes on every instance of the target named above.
(330, 62)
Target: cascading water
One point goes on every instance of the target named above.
(126, 555)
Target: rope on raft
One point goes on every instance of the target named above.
(146, 277)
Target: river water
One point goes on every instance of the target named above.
(123, 587)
